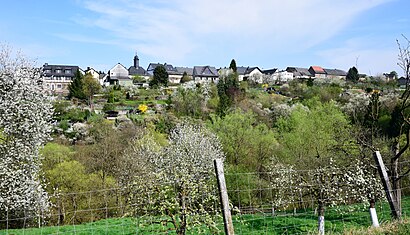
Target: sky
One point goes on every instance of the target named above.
(264, 33)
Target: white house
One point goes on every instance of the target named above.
(205, 74)
(253, 74)
(118, 75)
(94, 74)
(282, 77)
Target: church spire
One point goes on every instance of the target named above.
(136, 60)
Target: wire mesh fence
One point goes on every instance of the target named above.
(281, 201)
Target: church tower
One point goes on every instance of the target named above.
(136, 61)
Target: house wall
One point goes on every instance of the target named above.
(118, 71)
(255, 76)
(58, 85)
(282, 77)
(127, 82)
(336, 77)
(202, 79)
(174, 78)
(94, 74)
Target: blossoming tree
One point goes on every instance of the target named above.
(181, 190)
(25, 124)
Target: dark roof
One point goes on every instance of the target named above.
(250, 69)
(59, 70)
(168, 67)
(335, 72)
(205, 71)
(269, 71)
(137, 71)
(299, 72)
(181, 70)
(402, 81)
(241, 70)
(102, 75)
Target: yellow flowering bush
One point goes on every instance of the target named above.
(143, 108)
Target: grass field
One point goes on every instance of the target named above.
(344, 220)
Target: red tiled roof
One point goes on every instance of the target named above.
(318, 69)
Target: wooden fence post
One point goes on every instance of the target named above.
(223, 195)
(386, 183)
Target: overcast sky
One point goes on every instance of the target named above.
(264, 33)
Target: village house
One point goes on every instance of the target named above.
(300, 73)
(95, 74)
(317, 72)
(335, 74)
(205, 74)
(118, 75)
(253, 74)
(58, 77)
(276, 76)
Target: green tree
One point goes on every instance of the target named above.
(224, 102)
(76, 87)
(233, 66)
(245, 141)
(228, 92)
(138, 79)
(185, 78)
(105, 154)
(189, 102)
(318, 143)
(160, 76)
(352, 75)
(53, 154)
(70, 182)
(90, 87)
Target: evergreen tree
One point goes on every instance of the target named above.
(224, 101)
(76, 87)
(228, 92)
(160, 76)
(353, 74)
(233, 66)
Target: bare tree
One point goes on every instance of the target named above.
(400, 126)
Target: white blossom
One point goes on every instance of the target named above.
(25, 124)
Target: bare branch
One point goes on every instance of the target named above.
(398, 155)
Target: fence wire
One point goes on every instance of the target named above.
(261, 203)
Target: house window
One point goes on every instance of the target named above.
(58, 70)
(58, 86)
(52, 87)
(47, 71)
(67, 71)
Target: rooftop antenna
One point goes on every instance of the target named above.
(357, 58)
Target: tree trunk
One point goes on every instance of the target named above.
(321, 220)
(396, 186)
(182, 225)
(373, 214)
